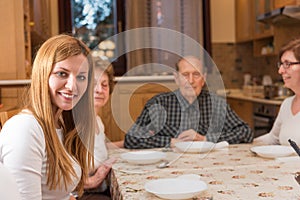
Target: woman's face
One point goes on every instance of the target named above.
(290, 75)
(101, 91)
(68, 81)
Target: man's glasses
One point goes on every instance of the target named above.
(286, 65)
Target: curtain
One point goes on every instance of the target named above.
(183, 16)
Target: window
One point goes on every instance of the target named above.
(94, 21)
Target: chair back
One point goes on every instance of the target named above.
(5, 115)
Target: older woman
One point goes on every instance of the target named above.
(96, 186)
(286, 125)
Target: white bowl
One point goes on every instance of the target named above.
(195, 147)
(143, 157)
(273, 151)
(175, 188)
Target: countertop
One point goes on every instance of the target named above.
(238, 94)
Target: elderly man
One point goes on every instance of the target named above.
(187, 114)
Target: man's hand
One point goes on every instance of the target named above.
(188, 135)
(191, 135)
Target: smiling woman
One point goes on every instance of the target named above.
(68, 81)
(46, 146)
(286, 125)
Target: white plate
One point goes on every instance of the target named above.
(175, 188)
(195, 147)
(273, 151)
(143, 157)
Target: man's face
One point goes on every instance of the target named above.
(190, 78)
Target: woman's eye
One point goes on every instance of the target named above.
(81, 77)
(61, 74)
(104, 85)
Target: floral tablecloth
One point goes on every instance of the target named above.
(231, 173)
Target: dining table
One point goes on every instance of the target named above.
(233, 172)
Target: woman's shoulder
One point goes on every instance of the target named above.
(22, 125)
(23, 118)
(287, 101)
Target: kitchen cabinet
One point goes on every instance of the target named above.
(41, 19)
(262, 30)
(222, 21)
(235, 20)
(126, 104)
(243, 108)
(249, 29)
(263, 43)
(244, 20)
(281, 3)
(267, 38)
(15, 56)
(27, 38)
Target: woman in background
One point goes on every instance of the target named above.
(46, 146)
(96, 186)
(286, 125)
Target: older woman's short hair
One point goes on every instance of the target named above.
(106, 67)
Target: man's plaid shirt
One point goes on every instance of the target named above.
(166, 115)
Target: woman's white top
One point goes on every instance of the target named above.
(100, 150)
(286, 126)
(23, 153)
(8, 185)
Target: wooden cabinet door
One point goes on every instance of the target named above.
(281, 3)
(12, 52)
(262, 30)
(243, 108)
(244, 20)
(40, 16)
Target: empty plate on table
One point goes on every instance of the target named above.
(195, 147)
(273, 151)
(175, 188)
(143, 157)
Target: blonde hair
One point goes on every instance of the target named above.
(78, 132)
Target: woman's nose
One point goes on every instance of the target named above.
(281, 70)
(71, 83)
(98, 88)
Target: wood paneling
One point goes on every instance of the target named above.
(126, 104)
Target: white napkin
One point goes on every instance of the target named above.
(221, 145)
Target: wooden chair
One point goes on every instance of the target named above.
(6, 114)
